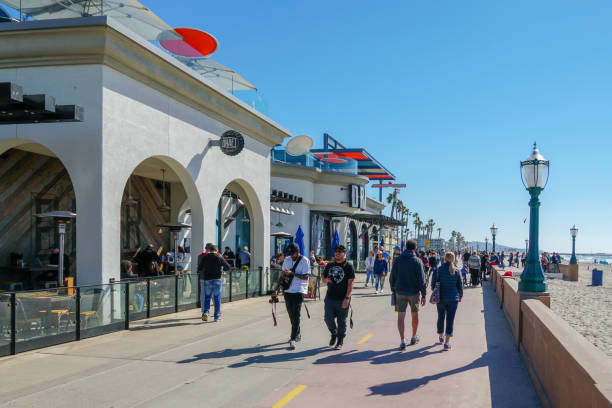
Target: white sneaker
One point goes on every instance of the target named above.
(292, 344)
(382, 291)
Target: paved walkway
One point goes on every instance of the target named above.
(241, 362)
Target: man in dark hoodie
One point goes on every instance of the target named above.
(408, 284)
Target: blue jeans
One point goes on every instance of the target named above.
(369, 274)
(140, 299)
(211, 288)
(446, 310)
(380, 281)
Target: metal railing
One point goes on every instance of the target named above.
(40, 318)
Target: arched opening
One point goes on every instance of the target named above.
(365, 242)
(160, 192)
(351, 242)
(239, 233)
(33, 180)
(375, 240)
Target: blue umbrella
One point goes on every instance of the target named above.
(382, 242)
(335, 241)
(299, 239)
(403, 246)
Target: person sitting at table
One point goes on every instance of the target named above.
(148, 262)
(127, 274)
(229, 256)
(244, 257)
(54, 260)
(180, 261)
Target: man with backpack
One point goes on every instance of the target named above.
(297, 268)
(339, 276)
(408, 285)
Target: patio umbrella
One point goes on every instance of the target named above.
(299, 239)
(403, 246)
(335, 241)
(382, 242)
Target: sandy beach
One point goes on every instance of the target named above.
(588, 309)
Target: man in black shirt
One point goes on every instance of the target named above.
(339, 276)
(210, 266)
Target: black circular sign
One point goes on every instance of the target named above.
(232, 142)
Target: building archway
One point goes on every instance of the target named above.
(160, 191)
(365, 242)
(239, 223)
(351, 242)
(33, 180)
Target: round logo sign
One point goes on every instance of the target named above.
(232, 142)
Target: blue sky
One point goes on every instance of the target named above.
(449, 95)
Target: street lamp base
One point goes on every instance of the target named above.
(536, 286)
(543, 297)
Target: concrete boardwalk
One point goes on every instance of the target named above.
(243, 361)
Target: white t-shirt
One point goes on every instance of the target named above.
(303, 268)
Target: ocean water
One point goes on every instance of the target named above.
(589, 258)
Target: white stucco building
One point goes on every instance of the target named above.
(147, 124)
(332, 199)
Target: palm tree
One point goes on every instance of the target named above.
(453, 236)
(392, 199)
(430, 225)
(415, 222)
(439, 231)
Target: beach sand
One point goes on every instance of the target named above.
(588, 309)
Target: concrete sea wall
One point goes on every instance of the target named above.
(566, 369)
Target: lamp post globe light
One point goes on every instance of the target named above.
(573, 233)
(493, 233)
(535, 176)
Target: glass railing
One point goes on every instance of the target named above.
(342, 165)
(41, 318)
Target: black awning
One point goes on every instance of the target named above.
(17, 108)
(377, 219)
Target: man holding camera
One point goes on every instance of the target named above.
(296, 267)
(339, 276)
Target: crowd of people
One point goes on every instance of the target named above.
(410, 272)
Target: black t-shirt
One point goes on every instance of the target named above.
(339, 273)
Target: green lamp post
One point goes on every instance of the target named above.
(573, 233)
(493, 233)
(535, 176)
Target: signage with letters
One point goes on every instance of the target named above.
(358, 196)
(231, 142)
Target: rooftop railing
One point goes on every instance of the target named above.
(347, 166)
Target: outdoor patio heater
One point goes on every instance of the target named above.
(175, 229)
(62, 218)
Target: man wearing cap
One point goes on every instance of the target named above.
(339, 276)
(297, 267)
(408, 283)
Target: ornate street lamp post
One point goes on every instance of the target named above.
(573, 233)
(493, 233)
(535, 177)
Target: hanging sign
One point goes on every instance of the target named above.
(231, 142)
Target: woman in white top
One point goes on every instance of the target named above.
(369, 264)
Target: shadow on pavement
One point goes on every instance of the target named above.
(233, 352)
(405, 386)
(280, 358)
(388, 356)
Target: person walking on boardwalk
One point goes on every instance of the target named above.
(381, 267)
(451, 292)
(210, 266)
(296, 267)
(369, 265)
(474, 265)
(408, 284)
(339, 276)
